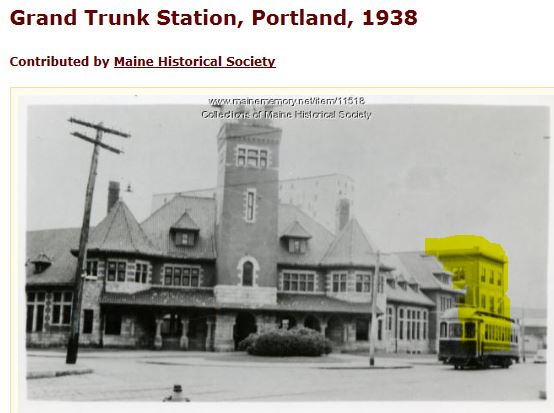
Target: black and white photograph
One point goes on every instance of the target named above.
(255, 248)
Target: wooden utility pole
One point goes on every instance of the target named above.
(373, 326)
(80, 271)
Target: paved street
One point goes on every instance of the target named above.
(226, 377)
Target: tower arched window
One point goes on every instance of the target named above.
(247, 273)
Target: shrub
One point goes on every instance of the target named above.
(248, 342)
(285, 343)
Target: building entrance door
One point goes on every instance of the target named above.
(171, 331)
(245, 324)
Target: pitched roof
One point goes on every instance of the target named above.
(351, 247)
(163, 296)
(201, 212)
(41, 258)
(423, 267)
(185, 222)
(320, 303)
(56, 244)
(119, 231)
(319, 242)
(296, 230)
(407, 296)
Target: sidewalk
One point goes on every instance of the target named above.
(39, 367)
(49, 363)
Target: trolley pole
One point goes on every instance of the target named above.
(373, 325)
(73, 342)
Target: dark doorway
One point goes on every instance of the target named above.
(313, 323)
(287, 321)
(245, 324)
(171, 331)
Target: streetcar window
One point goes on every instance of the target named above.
(455, 330)
(443, 329)
(470, 330)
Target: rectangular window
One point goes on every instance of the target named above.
(35, 311)
(250, 205)
(401, 330)
(491, 304)
(88, 317)
(138, 269)
(363, 283)
(483, 275)
(194, 278)
(253, 158)
(389, 319)
(362, 330)
(112, 267)
(443, 330)
(186, 277)
(177, 276)
(61, 307)
(121, 271)
(92, 268)
(241, 157)
(483, 301)
(263, 158)
(113, 324)
(168, 275)
(379, 330)
(455, 330)
(304, 282)
(339, 282)
(491, 277)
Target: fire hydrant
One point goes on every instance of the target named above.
(177, 395)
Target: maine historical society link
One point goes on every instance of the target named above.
(314, 100)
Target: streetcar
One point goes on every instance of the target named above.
(469, 337)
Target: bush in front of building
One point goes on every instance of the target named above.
(248, 342)
(286, 343)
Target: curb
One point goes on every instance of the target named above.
(56, 373)
(366, 367)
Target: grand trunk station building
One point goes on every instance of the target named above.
(202, 273)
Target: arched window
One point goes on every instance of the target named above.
(247, 273)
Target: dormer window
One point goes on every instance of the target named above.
(297, 245)
(251, 156)
(41, 263)
(185, 238)
(296, 238)
(185, 231)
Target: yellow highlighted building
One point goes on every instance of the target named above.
(479, 266)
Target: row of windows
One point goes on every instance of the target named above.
(492, 307)
(363, 283)
(457, 330)
(182, 276)
(499, 333)
(117, 271)
(491, 276)
(446, 303)
(252, 157)
(414, 322)
(298, 281)
(61, 309)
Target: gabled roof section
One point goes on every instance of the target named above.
(56, 244)
(201, 212)
(185, 223)
(41, 258)
(423, 267)
(120, 232)
(351, 247)
(315, 249)
(296, 230)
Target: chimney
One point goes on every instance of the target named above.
(113, 194)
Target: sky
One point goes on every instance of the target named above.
(420, 170)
